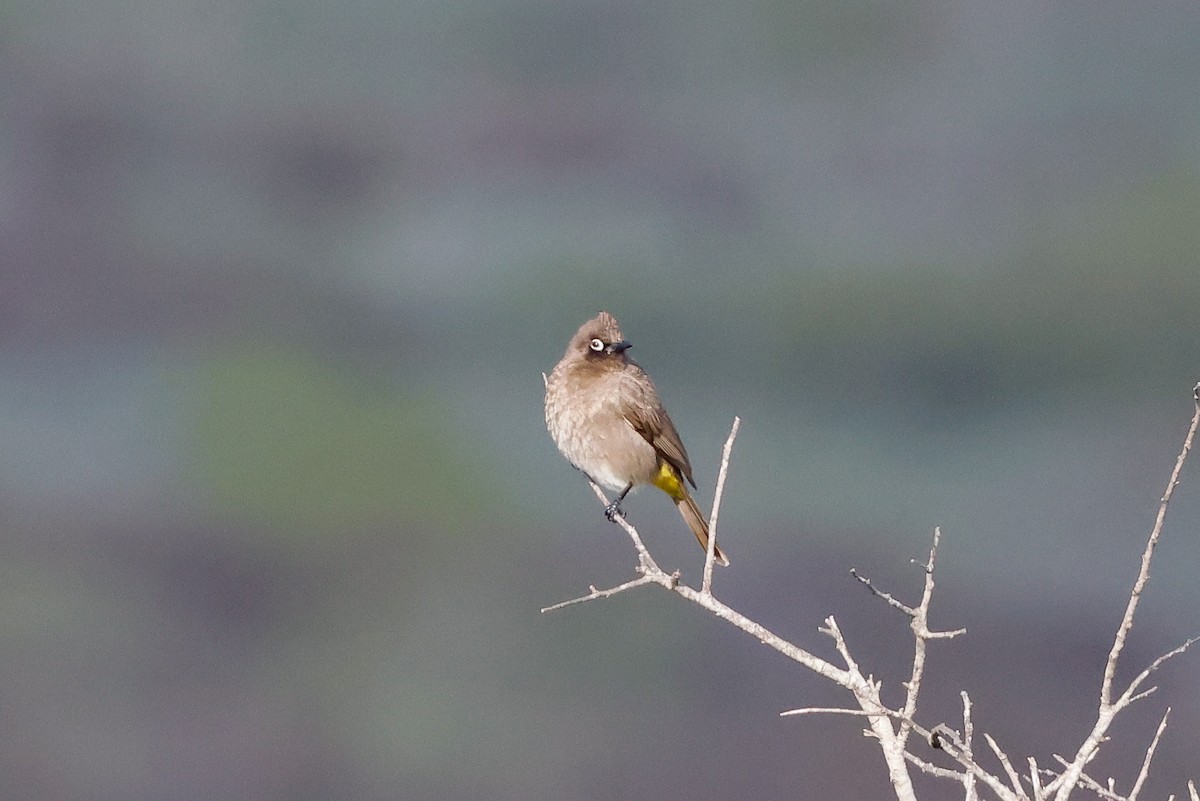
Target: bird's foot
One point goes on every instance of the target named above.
(612, 510)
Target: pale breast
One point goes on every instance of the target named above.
(585, 419)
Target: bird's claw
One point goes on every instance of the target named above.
(612, 510)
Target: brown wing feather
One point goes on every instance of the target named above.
(653, 423)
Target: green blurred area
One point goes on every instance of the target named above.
(278, 284)
(288, 440)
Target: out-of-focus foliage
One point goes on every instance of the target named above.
(291, 442)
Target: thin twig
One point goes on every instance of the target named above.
(832, 629)
(1128, 697)
(1005, 763)
(921, 636)
(884, 596)
(919, 624)
(707, 601)
(1107, 793)
(968, 724)
(827, 710)
(711, 555)
(1085, 781)
(879, 711)
(653, 574)
(865, 692)
(953, 745)
(596, 594)
(1141, 777)
(1108, 709)
(933, 770)
(1110, 667)
(644, 557)
(1144, 694)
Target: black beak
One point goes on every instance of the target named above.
(619, 346)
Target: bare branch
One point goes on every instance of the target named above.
(1035, 780)
(1108, 709)
(826, 710)
(1009, 771)
(1110, 667)
(933, 770)
(944, 635)
(880, 711)
(865, 691)
(968, 724)
(921, 635)
(711, 555)
(1141, 777)
(888, 597)
(969, 791)
(1143, 694)
(839, 642)
(892, 728)
(707, 601)
(596, 594)
(1086, 781)
(1107, 793)
(954, 746)
(647, 562)
(1128, 697)
(653, 574)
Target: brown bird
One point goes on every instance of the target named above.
(605, 416)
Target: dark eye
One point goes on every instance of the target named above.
(596, 345)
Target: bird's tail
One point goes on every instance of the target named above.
(695, 519)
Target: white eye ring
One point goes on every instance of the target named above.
(596, 345)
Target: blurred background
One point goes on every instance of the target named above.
(277, 283)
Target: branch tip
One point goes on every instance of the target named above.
(710, 554)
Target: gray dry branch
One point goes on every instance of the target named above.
(891, 728)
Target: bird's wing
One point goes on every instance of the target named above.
(652, 422)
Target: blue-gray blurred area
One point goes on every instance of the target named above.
(278, 281)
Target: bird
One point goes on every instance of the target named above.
(604, 414)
